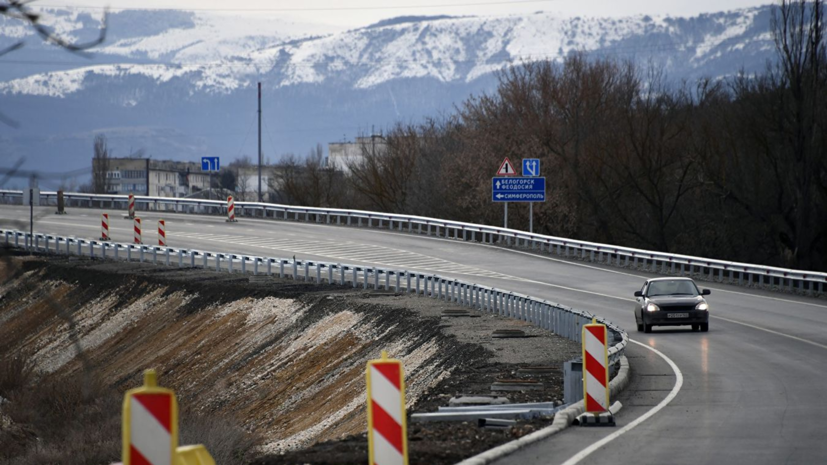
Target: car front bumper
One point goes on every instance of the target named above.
(661, 318)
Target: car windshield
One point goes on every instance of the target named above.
(672, 287)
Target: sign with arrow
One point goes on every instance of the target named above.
(522, 189)
(531, 167)
(210, 164)
(506, 168)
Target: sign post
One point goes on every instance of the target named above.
(531, 168)
(506, 169)
(210, 164)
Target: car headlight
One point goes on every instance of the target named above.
(702, 306)
(652, 307)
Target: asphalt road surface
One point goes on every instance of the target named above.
(750, 391)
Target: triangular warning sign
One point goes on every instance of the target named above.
(506, 169)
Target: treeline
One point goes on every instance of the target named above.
(732, 169)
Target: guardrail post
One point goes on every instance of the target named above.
(306, 269)
(376, 278)
(341, 274)
(329, 274)
(295, 270)
(167, 257)
(417, 283)
(230, 258)
(318, 273)
(408, 281)
(217, 261)
(387, 280)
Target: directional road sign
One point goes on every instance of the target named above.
(531, 167)
(521, 189)
(210, 164)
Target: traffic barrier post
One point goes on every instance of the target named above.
(137, 228)
(162, 233)
(231, 210)
(131, 206)
(150, 424)
(596, 368)
(387, 429)
(105, 227)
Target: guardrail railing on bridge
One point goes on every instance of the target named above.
(659, 262)
(562, 320)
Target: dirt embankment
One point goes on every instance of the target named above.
(283, 360)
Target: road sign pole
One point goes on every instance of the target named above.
(531, 217)
(505, 221)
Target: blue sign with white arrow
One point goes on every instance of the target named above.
(531, 167)
(210, 164)
(523, 189)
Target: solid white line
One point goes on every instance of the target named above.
(672, 394)
(806, 341)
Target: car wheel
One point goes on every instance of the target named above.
(639, 327)
(647, 328)
(696, 327)
(704, 327)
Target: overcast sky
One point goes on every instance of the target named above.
(355, 13)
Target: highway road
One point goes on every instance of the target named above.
(750, 391)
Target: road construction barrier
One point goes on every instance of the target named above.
(150, 424)
(137, 228)
(162, 233)
(105, 226)
(230, 209)
(596, 367)
(387, 429)
(60, 204)
(131, 206)
(194, 455)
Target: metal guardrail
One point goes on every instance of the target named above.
(557, 318)
(716, 270)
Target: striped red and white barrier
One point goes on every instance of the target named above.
(595, 368)
(387, 430)
(231, 209)
(131, 206)
(150, 424)
(104, 226)
(162, 232)
(137, 228)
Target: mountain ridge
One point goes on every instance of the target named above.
(320, 88)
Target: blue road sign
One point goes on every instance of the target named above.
(531, 167)
(210, 164)
(522, 189)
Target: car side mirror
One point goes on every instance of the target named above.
(638, 294)
(706, 292)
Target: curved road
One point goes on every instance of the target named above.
(748, 392)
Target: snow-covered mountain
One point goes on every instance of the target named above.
(195, 74)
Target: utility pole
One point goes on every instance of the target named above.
(259, 142)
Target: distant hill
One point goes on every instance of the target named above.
(185, 86)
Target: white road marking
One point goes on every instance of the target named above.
(806, 341)
(672, 394)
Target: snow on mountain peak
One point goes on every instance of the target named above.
(220, 55)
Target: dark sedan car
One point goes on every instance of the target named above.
(671, 302)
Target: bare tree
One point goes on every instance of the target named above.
(19, 9)
(100, 166)
(311, 182)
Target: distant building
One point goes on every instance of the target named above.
(341, 154)
(156, 178)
